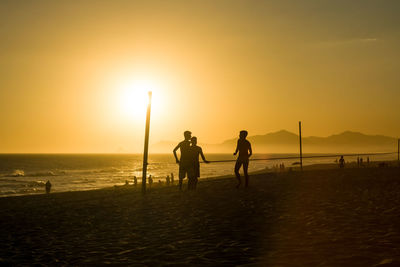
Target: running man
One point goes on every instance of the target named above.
(196, 152)
(185, 162)
(244, 149)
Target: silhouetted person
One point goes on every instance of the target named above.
(48, 187)
(126, 182)
(244, 149)
(368, 161)
(150, 180)
(134, 180)
(361, 162)
(167, 180)
(341, 162)
(196, 152)
(172, 178)
(185, 162)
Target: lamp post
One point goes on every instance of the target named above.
(146, 144)
(301, 147)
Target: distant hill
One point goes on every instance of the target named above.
(286, 142)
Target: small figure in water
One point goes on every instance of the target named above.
(196, 152)
(48, 187)
(134, 181)
(167, 180)
(172, 178)
(245, 151)
(185, 162)
(150, 180)
(126, 182)
(341, 162)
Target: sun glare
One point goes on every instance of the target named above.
(133, 98)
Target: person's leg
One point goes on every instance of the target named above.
(182, 173)
(246, 175)
(237, 167)
(196, 175)
(190, 174)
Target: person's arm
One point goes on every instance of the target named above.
(250, 150)
(175, 149)
(203, 157)
(237, 148)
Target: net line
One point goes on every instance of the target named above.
(309, 157)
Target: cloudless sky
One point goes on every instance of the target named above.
(216, 67)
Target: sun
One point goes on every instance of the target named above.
(133, 98)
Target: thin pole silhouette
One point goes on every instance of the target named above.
(146, 145)
(398, 149)
(301, 147)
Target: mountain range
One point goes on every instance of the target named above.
(286, 142)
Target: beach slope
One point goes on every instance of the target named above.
(334, 217)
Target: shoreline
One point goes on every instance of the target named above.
(317, 166)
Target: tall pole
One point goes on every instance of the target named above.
(301, 147)
(146, 145)
(398, 150)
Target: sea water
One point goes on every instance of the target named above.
(23, 174)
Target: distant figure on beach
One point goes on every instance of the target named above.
(245, 151)
(150, 180)
(134, 180)
(126, 182)
(361, 162)
(368, 161)
(167, 180)
(48, 187)
(341, 162)
(185, 162)
(196, 152)
(172, 178)
(382, 165)
(282, 167)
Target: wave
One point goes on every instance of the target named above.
(45, 173)
(19, 183)
(22, 173)
(79, 172)
(17, 173)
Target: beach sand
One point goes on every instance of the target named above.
(333, 217)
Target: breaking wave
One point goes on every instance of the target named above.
(17, 173)
(22, 173)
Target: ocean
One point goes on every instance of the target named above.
(24, 174)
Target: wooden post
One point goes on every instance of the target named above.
(301, 147)
(146, 145)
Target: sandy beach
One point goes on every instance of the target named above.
(334, 217)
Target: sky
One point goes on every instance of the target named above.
(74, 74)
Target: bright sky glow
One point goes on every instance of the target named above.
(75, 74)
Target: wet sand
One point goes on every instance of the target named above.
(334, 217)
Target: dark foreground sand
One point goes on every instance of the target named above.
(347, 217)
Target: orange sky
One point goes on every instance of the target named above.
(215, 67)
